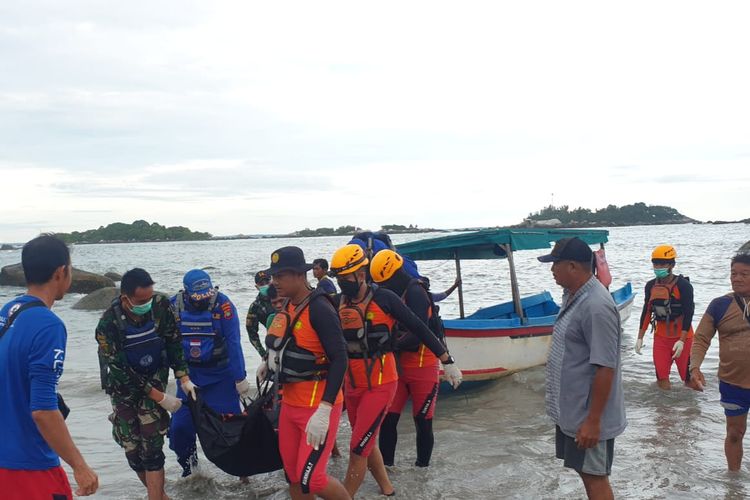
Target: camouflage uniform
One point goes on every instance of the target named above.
(257, 314)
(138, 423)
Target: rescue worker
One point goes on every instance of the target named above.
(139, 341)
(368, 315)
(259, 311)
(210, 331)
(669, 309)
(419, 368)
(307, 356)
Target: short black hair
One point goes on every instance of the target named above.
(741, 258)
(42, 256)
(135, 278)
(322, 263)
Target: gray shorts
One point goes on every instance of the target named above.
(596, 461)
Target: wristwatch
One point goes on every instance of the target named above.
(450, 360)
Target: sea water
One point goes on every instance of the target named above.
(494, 442)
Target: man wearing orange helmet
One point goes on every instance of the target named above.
(669, 309)
(419, 369)
(368, 316)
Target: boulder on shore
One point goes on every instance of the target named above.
(113, 276)
(97, 300)
(5, 246)
(101, 299)
(83, 281)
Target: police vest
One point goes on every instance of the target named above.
(364, 337)
(143, 347)
(405, 339)
(202, 340)
(290, 362)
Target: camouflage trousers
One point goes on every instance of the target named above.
(139, 426)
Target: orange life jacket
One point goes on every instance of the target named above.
(300, 360)
(369, 342)
(412, 352)
(664, 311)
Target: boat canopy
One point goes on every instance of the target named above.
(492, 243)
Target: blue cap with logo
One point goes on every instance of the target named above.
(197, 284)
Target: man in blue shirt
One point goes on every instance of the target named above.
(32, 353)
(210, 330)
(320, 271)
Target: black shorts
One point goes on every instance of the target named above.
(596, 461)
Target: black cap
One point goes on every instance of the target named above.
(262, 276)
(288, 259)
(574, 249)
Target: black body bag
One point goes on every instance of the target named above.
(240, 445)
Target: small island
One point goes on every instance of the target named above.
(637, 214)
(351, 230)
(138, 231)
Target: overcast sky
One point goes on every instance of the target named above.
(274, 116)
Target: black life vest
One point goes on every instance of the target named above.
(405, 339)
(364, 338)
(290, 362)
(142, 345)
(202, 339)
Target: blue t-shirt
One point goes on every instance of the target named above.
(32, 353)
(326, 284)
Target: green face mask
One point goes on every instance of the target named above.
(142, 309)
(661, 272)
(264, 290)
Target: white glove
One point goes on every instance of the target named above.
(189, 389)
(262, 372)
(243, 389)
(453, 375)
(170, 403)
(638, 345)
(317, 426)
(677, 349)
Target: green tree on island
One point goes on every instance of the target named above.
(139, 230)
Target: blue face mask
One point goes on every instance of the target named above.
(141, 310)
(263, 290)
(661, 272)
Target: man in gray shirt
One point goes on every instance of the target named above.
(584, 383)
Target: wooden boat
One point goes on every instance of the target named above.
(502, 339)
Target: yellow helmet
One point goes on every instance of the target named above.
(384, 265)
(347, 260)
(664, 252)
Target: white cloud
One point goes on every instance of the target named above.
(329, 113)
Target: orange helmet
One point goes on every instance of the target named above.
(664, 252)
(347, 260)
(384, 265)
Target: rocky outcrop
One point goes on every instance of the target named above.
(83, 281)
(113, 276)
(97, 300)
(5, 246)
(101, 299)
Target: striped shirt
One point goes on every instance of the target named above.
(586, 336)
